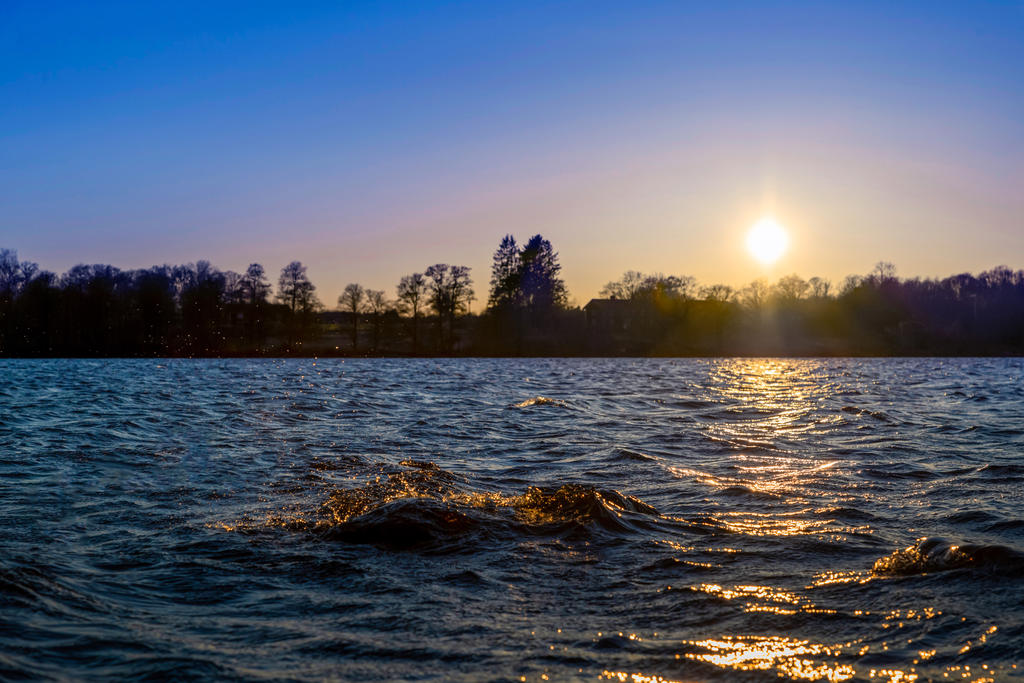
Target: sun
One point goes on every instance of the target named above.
(767, 240)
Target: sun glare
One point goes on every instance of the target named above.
(767, 241)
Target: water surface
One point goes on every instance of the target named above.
(632, 520)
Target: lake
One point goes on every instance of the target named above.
(637, 520)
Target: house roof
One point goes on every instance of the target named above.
(595, 304)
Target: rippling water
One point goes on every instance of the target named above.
(632, 520)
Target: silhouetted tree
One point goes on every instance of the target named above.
(819, 287)
(412, 294)
(542, 290)
(351, 300)
(526, 291)
(94, 309)
(790, 288)
(14, 276)
(196, 309)
(722, 293)
(233, 292)
(451, 292)
(254, 285)
(883, 272)
(154, 302)
(376, 305)
(254, 288)
(296, 291)
(850, 283)
(202, 310)
(626, 287)
(636, 286)
(755, 294)
(506, 275)
(36, 329)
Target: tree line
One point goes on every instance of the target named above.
(199, 310)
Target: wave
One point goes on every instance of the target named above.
(742, 491)
(1003, 472)
(42, 589)
(404, 523)
(579, 505)
(540, 401)
(421, 521)
(876, 414)
(937, 555)
(424, 505)
(629, 454)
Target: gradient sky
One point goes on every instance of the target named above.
(371, 140)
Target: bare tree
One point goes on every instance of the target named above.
(722, 293)
(351, 300)
(626, 287)
(233, 290)
(253, 289)
(654, 287)
(791, 288)
(254, 285)
(755, 294)
(820, 287)
(882, 273)
(412, 295)
(14, 275)
(850, 283)
(293, 288)
(376, 305)
(451, 292)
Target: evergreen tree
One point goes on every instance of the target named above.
(505, 275)
(541, 289)
(526, 280)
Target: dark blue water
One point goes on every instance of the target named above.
(633, 520)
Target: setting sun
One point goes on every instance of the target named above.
(767, 240)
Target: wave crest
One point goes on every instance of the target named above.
(938, 554)
(405, 523)
(577, 504)
(422, 504)
(540, 401)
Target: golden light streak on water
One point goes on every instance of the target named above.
(625, 677)
(764, 599)
(830, 578)
(789, 657)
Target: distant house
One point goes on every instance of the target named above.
(612, 315)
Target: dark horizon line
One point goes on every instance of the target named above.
(196, 310)
(882, 268)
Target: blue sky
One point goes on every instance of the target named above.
(369, 140)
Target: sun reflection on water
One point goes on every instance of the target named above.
(762, 411)
(764, 599)
(796, 659)
(625, 677)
